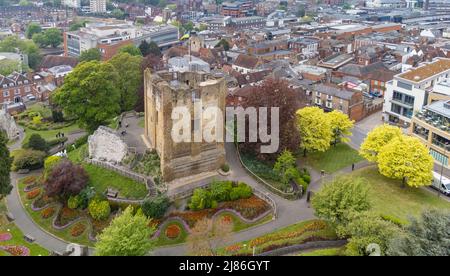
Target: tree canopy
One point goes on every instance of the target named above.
(5, 166)
(32, 28)
(376, 139)
(406, 158)
(129, 79)
(130, 49)
(11, 43)
(90, 55)
(127, 235)
(340, 126)
(315, 129)
(65, 179)
(91, 94)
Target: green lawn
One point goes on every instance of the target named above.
(141, 122)
(101, 178)
(40, 108)
(333, 160)
(388, 198)
(335, 251)
(49, 134)
(47, 223)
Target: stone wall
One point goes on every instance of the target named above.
(8, 124)
(106, 145)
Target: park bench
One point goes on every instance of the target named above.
(112, 193)
(29, 238)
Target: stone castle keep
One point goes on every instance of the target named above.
(163, 92)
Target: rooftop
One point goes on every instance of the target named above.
(426, 71)
(440, 107)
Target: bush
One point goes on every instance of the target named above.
(36, 142)
(28, 159)
(225, 168)
(306, 178)
(400, 223)
(99, 210)
(156, 207)
(220, 190)
(74, 202)
(57, 116)
(241, 191)
(201, 199)
(301, 182)
(50, 163)
(85, 197)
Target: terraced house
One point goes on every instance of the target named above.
(15, 88)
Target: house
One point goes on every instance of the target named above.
(15, 88)
(246, 64)
(331, 97)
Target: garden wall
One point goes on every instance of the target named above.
(304, 246)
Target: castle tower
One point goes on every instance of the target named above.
(163, 92)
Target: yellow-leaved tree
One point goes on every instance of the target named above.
(315, 129)
(340, 126)
(376, 139)
(406, 158)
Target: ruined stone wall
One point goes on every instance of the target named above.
(8, 124)
(106, 145)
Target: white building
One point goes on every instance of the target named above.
(75, 4)
(408, 92)
(97, 6)
(385, 4)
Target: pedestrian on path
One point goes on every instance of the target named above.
(353, 166)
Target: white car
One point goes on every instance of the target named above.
(443, 187)
(31, 97)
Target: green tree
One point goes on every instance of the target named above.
(118, 14)
(427, 236)
(24, 3)
(156, 207)
(128, 235)
(376, 139)
(338, 200)
(340, 126)
(368, 228)
(188, 26)
(90, 55)
(144, 47)
(315, 129)
(129, 79)
(407, 159)
(8, 66)
(32, 28)
(224, 43)
(90, 93)
(11, 43)
(286, 167)
(154, 49)
(130, 49)
(99, 209)
(40, 40)
(53, 37)
(36, 142)
(5, 166)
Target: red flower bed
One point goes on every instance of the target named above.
(173, 231)
(233, 248)
(33, 194)
(227, 219)
(47, 212)
(16, 250)
(249, 208)
(29, 180)
(78, 229)
(191, 217)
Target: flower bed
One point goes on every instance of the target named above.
(248, 208)
(78, 229)
(31, 186)
(5, 237)
(65, 217)
(16, 250)
(41, 202)
(173, 231)
(191, 217)
(34, 193)
(29, 180)
(48, 212)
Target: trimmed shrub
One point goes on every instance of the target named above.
(50, 163)
(74, 202)
(28, 159)
(400, 223)
(301, 182)
(225, 167)
(306, 178)
(85, 197)
(201, 199)
(36, 142)
(241, 191)
(220, 190)
(99, 210)
(156, 207)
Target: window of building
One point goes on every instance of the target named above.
(397, 96)
(409, 100)
(396, 108)
(5, 93)
(404, 85)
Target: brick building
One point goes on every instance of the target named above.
(15, 88)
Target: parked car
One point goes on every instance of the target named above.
(443, 187)
(31, 97)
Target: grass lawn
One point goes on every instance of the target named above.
(294, 234)
(47, 223)
(334, 251)
(388, 198)
(102, 179)
(40, 108)
(49, 134)
(332, 160)
(141, 122)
